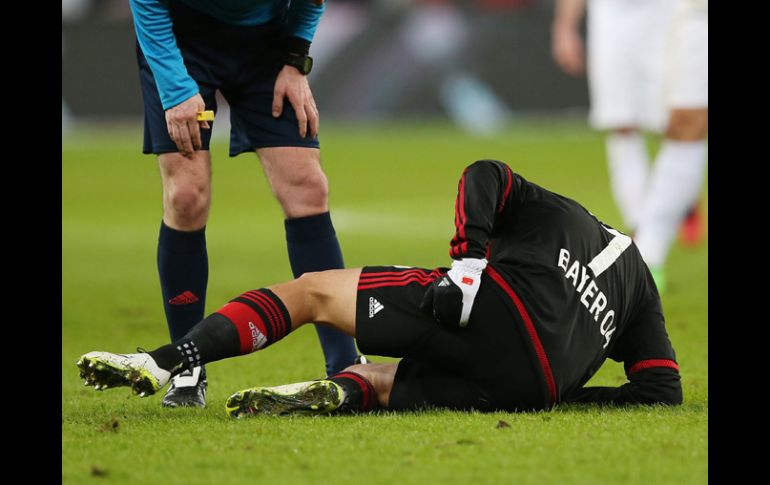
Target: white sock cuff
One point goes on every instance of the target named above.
(691, 148)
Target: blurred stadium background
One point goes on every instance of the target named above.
(381, 59)
(409, 93)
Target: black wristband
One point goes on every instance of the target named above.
(297, 46)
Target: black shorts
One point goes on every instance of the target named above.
(488, 365)
(243, 63)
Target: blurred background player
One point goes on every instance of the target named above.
(644, 58)
(256, 54)
(680, 166)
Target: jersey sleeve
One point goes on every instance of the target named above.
(649, 361)
(152, 23)
(487, 190)
(304, 16)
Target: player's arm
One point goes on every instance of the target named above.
(487, 193)
(659, 384)
(566, 43)
(649, 361)
(179, 93)
(152, 23)
(304, 16)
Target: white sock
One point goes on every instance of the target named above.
(675, 185)
(628, 165)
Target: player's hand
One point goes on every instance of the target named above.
(292, 84)
(450, 298)
(567, 49)
(183, 126)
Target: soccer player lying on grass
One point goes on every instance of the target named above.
(539, 294)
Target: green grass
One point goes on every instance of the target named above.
(392, 196)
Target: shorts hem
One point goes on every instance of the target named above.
(234, 152)
(160, 150)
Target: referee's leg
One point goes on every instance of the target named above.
(301, 187)
(182, 255)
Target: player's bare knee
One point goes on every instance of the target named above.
(687, 125)
(315, 291)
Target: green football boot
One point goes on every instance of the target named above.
(304, 398)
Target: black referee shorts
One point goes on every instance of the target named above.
(243, 63)
(488, 365)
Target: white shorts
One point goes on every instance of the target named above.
(627, 62)
(688, 63)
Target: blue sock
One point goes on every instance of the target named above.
(313, 246)
(183, 267)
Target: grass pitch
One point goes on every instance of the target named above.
(392, 197)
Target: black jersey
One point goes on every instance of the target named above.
(581, 285)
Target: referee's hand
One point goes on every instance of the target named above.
(183, 125)
(292, 84)
(450, 298)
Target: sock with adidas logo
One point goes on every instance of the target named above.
(183, 270)
(359, 392)
(250, 322)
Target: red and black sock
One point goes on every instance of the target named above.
(360, 395)
(250, 322)
(260, 317)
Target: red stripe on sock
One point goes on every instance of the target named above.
(270, 310)
(242, 315)
(366, 388)
(276, 311)
(270, 320)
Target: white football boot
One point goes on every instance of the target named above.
(139, 371)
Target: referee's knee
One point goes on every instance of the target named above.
(304, 194)
(186, 206)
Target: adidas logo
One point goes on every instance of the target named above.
(444, 281)
(258, 339)
(184, 299)
(374, 306)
